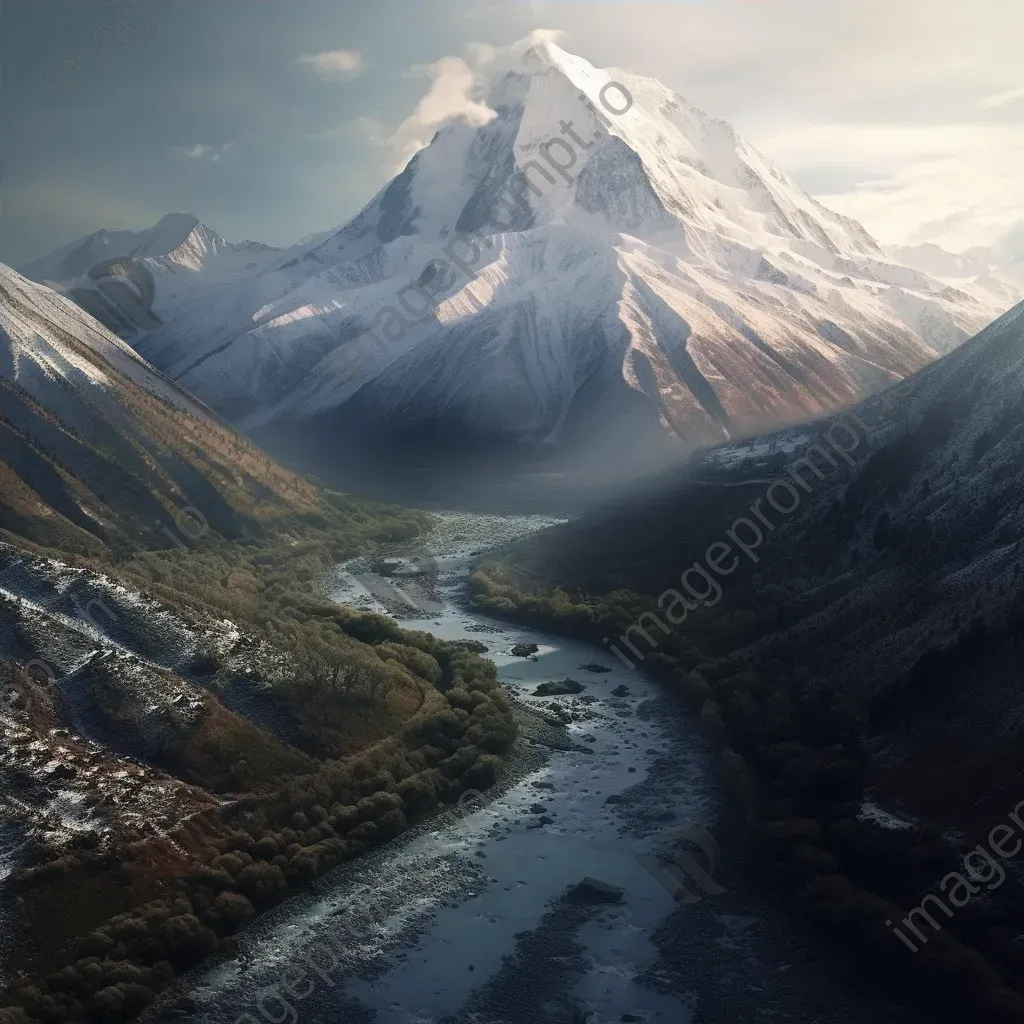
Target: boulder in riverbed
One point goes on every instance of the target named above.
(524, 650)
(558, 688)
(593, 890)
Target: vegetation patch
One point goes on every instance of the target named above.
(314, 732)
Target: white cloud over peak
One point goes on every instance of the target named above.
(453, 96)
(458, 86)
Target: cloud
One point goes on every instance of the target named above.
(1001, 99)
(201, 151)
(334, 63)
(956, 184)
(457, 92)
(1011, 244)
(491, 62)
(454, 95)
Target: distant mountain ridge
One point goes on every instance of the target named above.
(178, 240)
(981, 267)
(184, 255)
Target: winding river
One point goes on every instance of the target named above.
(474, 917)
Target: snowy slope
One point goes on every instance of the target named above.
(979, 268)
(99, 447)
(49, 347)
(671, 269)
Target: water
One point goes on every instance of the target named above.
(452, 916)
(464, 920)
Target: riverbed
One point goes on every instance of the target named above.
(478, 917)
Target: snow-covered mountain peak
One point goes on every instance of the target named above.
(594, 251)
(169, 232)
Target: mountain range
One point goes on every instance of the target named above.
(184, 254)
(674, 290)
(228, 734)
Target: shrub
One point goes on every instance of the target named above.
(305, 863)
(188, 938)
(391, 823)
(233, 908)
(364, 833)
(262, 882)
(371, 808)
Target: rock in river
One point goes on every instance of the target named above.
(593, 890)
(524, 650)
(558, 688)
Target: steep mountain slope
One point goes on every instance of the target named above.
(167, 771)
(844, 605)
(918, 525)
(665, 280)
(932, 485)
(98, 448)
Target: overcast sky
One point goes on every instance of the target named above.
(272, 119)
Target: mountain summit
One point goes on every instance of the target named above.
(587, 259)
(183, 253)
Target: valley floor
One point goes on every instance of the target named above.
(472, 916)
